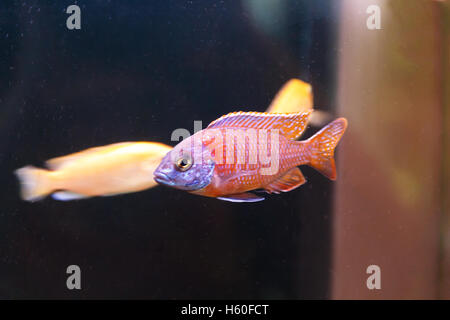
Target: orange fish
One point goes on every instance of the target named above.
(102, 171)
(245, 151)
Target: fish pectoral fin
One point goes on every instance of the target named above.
(67, 196)
(291, 180)
(242, 197)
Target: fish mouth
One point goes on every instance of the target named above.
(162, 178)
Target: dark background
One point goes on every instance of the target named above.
(137, 70)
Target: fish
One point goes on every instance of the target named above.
(243, 152)
(109, 170)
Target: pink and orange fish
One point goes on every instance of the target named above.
(246, 151)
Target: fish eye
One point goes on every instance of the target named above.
(184, 163)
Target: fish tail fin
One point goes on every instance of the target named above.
(35, 183)
(322, 146)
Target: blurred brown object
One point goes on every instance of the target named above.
(391, 200)
(444, 278)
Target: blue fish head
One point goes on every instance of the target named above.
(188, 166)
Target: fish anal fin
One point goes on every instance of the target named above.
(67, 196)
(242, 197)
(291, 125)
(289, 181)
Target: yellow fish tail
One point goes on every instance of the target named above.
(35, 183)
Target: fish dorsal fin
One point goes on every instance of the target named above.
(291, 180)
(242, 197)
(291, 125)
(295, 96)
(59, 162)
